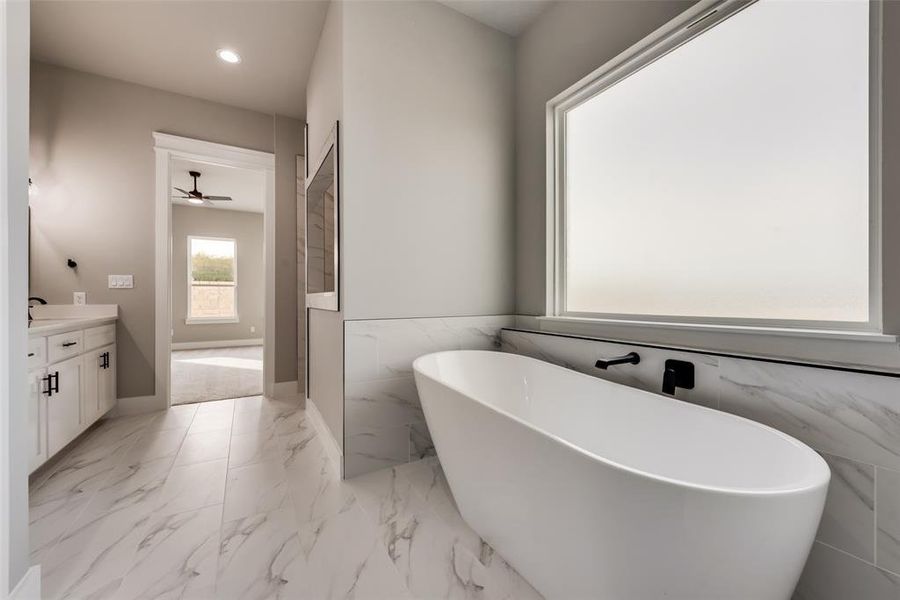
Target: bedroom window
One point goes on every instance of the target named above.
(720, 175)
(212, 280)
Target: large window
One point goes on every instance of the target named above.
(722, 176)
(212, 280)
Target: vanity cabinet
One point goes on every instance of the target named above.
(99, 389)
(65, 345)
(64, 419)
(72, 384)
(37, 418)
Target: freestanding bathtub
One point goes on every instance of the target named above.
(591, 489)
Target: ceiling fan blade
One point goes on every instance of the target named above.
(218, 198)
(185, 192)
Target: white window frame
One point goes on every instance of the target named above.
(701, 17)
(190, 320)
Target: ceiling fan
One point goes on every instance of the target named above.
(195, 197)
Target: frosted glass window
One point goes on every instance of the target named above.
(729, 178)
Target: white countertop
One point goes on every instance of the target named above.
(57, 318)
(39, 327)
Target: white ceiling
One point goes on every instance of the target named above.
(247, 188)
(171, 45)
(509, 16)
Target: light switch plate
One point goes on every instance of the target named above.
(121, 281)
(79, 298)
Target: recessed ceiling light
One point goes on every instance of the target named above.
(229, 56)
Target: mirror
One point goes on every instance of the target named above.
(322, 275)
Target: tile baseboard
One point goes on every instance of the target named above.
(136, 405)
(29, 587)
(286, 390)
(332, 448)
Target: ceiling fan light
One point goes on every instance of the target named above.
(229, 56)
(195, 200)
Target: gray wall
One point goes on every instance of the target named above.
(288, 144)
(247, 230)
(566, 43)
(92, 159)
(427, 204)
(300, 272)
(890, 131)
(425, 99)
(428, 226)
(324, 96)
(325, 88)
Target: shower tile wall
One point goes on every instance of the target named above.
(383, 420)
(852, 419)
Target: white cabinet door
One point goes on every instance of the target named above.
(64, 420)
(98, 391)
(90, 388)
(107, 380)
(37, 418)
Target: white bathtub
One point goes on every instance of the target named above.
(591, 489)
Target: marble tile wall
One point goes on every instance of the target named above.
(852, 419)
(383, 421)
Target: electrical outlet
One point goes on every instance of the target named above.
(252, 329)
(79, 298)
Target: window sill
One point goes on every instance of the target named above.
(866, 350)
(210, 321)
(859, 336)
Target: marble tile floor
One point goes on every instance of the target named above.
(231, 499)
(216, 374)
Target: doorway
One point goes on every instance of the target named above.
(215, 271)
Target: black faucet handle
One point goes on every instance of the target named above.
(677, 374)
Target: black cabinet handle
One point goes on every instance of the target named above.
(49, 389)
(30, 354)
(67, 344)
(104, 360)
(54, 382)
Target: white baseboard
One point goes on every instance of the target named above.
(136, 405)
(29, 587)
(285, 390)
(332, 448)
(216, 344)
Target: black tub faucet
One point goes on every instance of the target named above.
(677, 374)
(632, 358)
